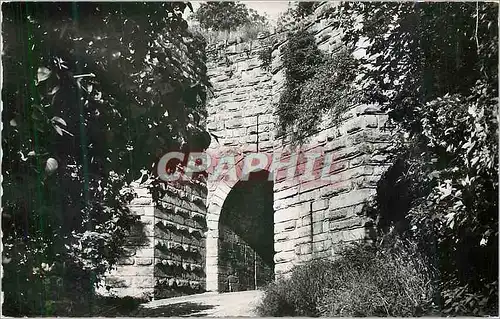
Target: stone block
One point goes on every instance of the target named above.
(348, 152)
(335, 189)
(304, 232)
(147, 220)
(129, 251)
(115, 282)
(286, 193)
(322, 236)
(317, 227)
(356, 161)
(144, 261)
(318, 246)
(282, 269)
(289, 213)
(284, 256)
(378, 159)
(282, 236)
(371, 121)
(306, 249)
(250, 121)
(284, 246)
(145, 253)
(305, 221)
(348, 235)
(126, 261)
(320, 204)
(348, 174)
(351, 198)
(345, 224)
(264, 137)
(353, 125)
(234, 123)
(285, 226)
(318, 216)
(339, 213)
(144, 282)
(133, 270)
(142, 201)
(137, 210)
(310, 196)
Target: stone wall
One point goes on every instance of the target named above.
(134, 274)
(312, 219)
(165, 254)
(180, 224)
(238, 258)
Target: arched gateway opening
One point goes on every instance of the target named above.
(242, 237)
(246, 233)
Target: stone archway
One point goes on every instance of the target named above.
(217, 203)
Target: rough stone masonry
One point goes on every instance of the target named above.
(311, 219)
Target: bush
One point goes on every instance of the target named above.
(381, 281)
(277, 300)
(298, 294)
(365, 280)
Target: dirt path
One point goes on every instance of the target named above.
(234, 304)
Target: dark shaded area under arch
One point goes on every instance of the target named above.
(248, 211)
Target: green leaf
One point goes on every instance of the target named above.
(59, 120)
(58, 130)
(43, 74)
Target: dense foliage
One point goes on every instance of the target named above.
(365, 280)
(315, 84)
(434, 68)
(93, 94)
(226, 16)
(304, 8)
(301, 57)
(296, 12)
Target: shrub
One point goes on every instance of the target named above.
(277, 300)
(298, 294)
(394, 281)
(365, 280)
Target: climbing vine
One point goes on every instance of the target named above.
(314, 84)
(265, 54)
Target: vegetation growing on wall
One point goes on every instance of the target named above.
(434, 68)
(441, 89)
(265, 54)
(314, 84)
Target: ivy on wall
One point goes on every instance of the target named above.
(314, 84)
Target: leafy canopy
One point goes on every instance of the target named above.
(434, 68)
(93, 94)
(226, 15)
